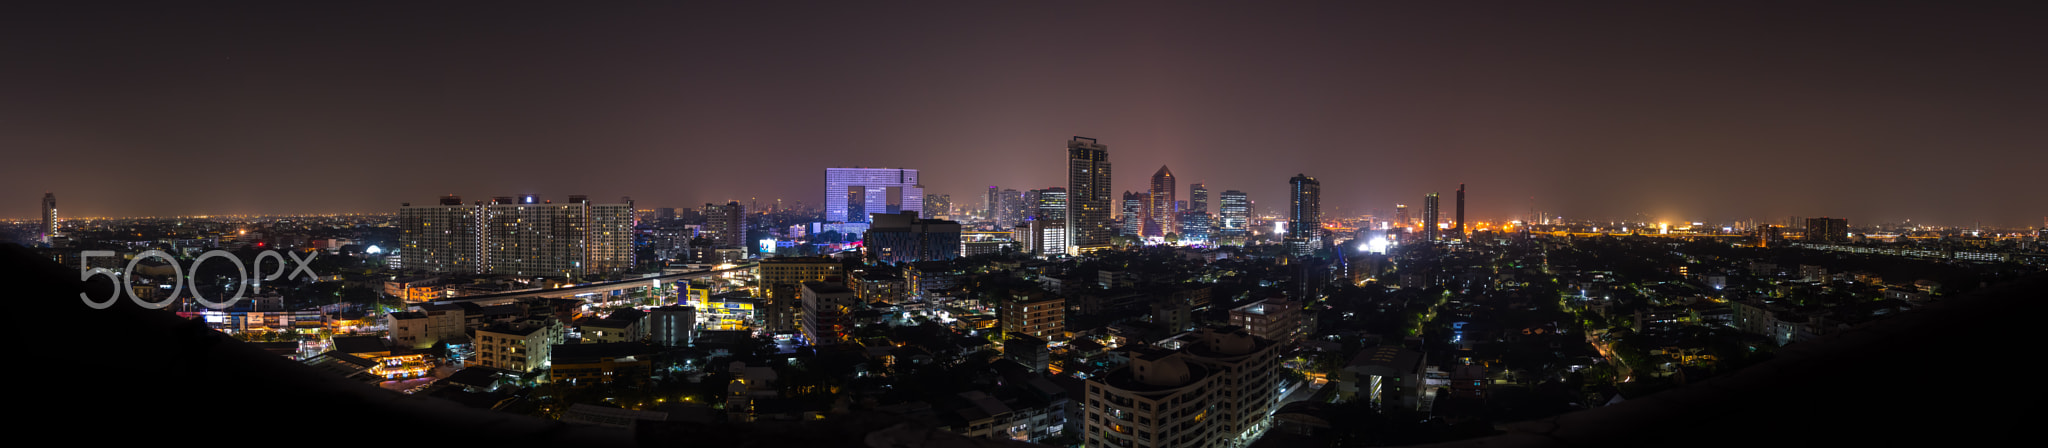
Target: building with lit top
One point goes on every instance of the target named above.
(852, 194)
(1159, 213)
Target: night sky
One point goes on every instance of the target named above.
(1714, 112)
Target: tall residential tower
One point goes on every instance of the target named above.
(1088, 195)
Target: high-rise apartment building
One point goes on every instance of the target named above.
(1429, 230)
(1401, 216)
(1159, 214)
(1304, 214)
(1827, 230)
(852, 194)
(725, 225)
(1088, 195)
(524, 237)
(48, 230)
(1235, 213)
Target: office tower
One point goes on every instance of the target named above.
(938, 206)
(1795, 222)
(1088, 195)
(664, 214)
(901, 237)
(610, 240)
(1159, 214)
(852, 194)
(1134, 213)
(1304, 214)
(725, 226)
(526, 238)
(1460, 235)
(1198, 198)
(782, 279)
(828, 313)
(1401, 216)
(49, 227)
(1235, 213)
(1429, 230)
(1825, 230)
(1194, 227)
(1052, 205)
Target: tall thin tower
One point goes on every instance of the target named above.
(49, 229)
(1429, 216)
(1461, 214)
(1304, 214)
(1088, 196)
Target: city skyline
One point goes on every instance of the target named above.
(1701, 113)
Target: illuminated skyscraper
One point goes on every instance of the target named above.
(1460, 228)
(1159, 213)
(1235, 212)
(852, 194)
(1198, 198)
(1429, 230)
(1088, 195)
(1304, 214)
(49, 228)
(1401, 216)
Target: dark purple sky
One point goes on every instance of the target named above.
(1715, 112)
